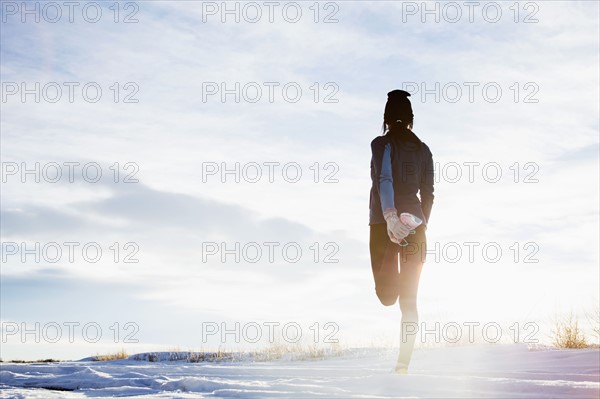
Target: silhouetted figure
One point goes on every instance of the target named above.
(401, 168)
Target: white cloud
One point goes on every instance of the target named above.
(170, 133)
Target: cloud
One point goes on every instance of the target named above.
(171, 133)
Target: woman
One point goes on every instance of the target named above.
(401, 167)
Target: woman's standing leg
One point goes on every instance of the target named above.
(412, 257)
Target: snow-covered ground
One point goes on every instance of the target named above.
(497, 371)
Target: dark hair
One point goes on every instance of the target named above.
(398, 116)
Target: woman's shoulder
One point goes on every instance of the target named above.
(425, 148)
(380, 141)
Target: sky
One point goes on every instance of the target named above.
(163, 139)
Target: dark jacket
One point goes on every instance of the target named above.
(412, 172)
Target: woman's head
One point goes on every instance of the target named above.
(398, 110)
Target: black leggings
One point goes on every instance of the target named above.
(403, 285)
(391, 285)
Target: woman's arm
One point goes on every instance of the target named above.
(426, 187)
(382, 162)
(386, 182)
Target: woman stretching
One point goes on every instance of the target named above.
(401, 167)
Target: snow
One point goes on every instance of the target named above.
(498, 371)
